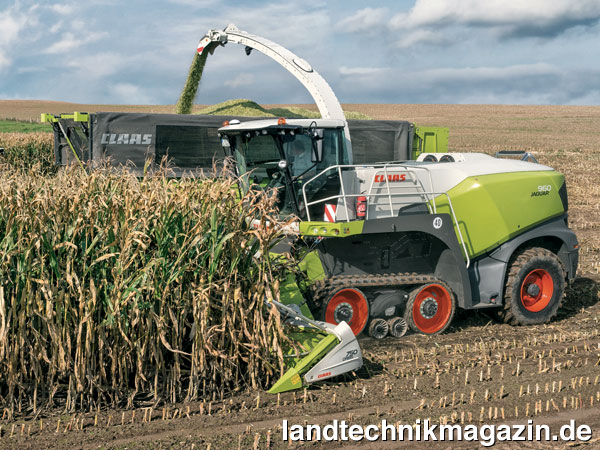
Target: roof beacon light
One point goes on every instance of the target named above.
(226, 123)
(281, 121)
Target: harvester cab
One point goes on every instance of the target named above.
(281, 155)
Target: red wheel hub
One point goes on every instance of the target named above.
(537, 290)
(351, 306)
(432, 308)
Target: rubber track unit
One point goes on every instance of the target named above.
(324, 288)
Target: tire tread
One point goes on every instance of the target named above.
(509, 313)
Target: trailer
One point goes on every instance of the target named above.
(190, 143)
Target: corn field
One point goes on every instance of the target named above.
(28, 151)
(116, 289)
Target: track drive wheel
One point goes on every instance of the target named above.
(534, 289)
(349, 305)
(430, 308)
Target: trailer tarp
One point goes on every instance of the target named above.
(190, 142)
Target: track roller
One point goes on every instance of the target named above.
(379, 328)
(398, 326)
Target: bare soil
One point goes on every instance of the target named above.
(478, 372)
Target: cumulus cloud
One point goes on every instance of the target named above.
(98, 65)
(56, 27)
(153, 51)
(31, 69)
(283, 22)
(428, 20)
(193, 3)
(473, 51)
(70, 41)
(364, 20)
(470, 75)
(64, 9)
(538, 83)
(421, 36)
(4, 61)
(12, 23)
(520, 83)
(372, 54)
(243, 79)
(361, 71)
(508, 17)
(128, 93)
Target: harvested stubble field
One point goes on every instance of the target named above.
(479, 371)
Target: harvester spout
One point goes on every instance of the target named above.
(324, 97)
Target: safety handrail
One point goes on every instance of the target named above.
(384, 166)
(388, 194)
(416, 180)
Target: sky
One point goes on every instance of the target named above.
(403, 51)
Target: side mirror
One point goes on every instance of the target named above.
(316, 154)
(318, 157)
(316, 134)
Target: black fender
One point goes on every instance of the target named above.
(551, 233)
(488, 273)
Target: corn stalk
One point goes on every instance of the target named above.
(115, 289)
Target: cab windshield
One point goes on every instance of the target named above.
(258, 157)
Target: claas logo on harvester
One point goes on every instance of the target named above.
(391, 177)
(126, 139)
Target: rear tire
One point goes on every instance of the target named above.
(534, 288)
(430, 308)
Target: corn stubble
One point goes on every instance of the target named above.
(115, 288)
